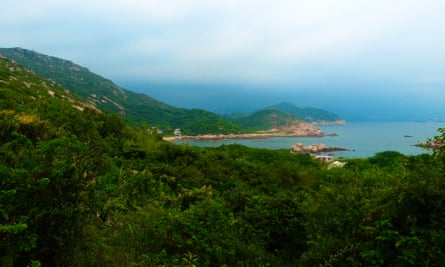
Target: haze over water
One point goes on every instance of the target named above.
(363, 139)
(363, 60)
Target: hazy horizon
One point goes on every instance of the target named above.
(226, 99)
(363, 60)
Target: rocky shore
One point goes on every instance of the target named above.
(430, 144)
(261, 135)
(315, 148)
(298, 130)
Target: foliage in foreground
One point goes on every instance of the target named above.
(80, 188)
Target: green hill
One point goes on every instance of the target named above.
(24, 91)
(107, 96)
(266, 119)
(311, 115)
(135, 108)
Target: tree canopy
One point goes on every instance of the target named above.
(80, 187)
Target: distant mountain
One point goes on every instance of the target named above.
(105, 95)
(266, 119)
(311, 115)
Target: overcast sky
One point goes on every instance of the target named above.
(365, 50)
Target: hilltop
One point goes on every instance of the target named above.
(310, 115)
(285, 114)
(277, 122)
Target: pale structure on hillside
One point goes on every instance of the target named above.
(336, 164)
(325, 158)
(177, 132)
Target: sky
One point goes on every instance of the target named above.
(373, 60)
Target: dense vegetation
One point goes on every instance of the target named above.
(139, 108)
(81, 188)
(307, 114)
(107, 96)
(266, 119)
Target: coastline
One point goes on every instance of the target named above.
(430, 144)
(242, 136)
(362, 139)
(297, 129)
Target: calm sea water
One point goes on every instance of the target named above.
(363, 139)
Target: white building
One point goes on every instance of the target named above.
(177, 132)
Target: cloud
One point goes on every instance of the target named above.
(273, 42)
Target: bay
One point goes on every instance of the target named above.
(362, 139)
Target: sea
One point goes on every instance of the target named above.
(361, 139)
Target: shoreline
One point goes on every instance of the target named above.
(430, 145)
(241, 136)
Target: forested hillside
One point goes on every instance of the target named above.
(140, 109)
(79, 187)
(311, 115)
(107, 96)
(266, 119)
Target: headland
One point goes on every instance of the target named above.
(303, 130)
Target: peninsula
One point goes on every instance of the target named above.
(301, 129)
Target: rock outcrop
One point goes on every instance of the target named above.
(431, 144)
(300, 128)
(314, 149)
